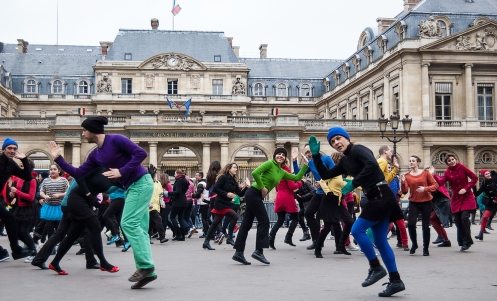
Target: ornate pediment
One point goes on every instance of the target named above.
(172, 62)
(478, 38)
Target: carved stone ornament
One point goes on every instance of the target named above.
(195, 81)
(238, 87)
(174, 62)
(149, 80)
(428, 28)
(104, 85)
(481, 40)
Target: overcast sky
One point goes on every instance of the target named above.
(311, 29)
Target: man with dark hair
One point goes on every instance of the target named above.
(8, 168)
(123, 160)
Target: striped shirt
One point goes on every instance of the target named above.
(51, 186)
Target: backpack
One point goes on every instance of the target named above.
(191, 189)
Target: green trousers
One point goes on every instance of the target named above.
(135, 219)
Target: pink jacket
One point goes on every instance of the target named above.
(457, 177)
(285, 200)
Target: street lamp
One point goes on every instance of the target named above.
(394, 124)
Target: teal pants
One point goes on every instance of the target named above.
(135, 219)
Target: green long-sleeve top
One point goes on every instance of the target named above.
(269, 174)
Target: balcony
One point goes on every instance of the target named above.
(26, 123)
(56, 96)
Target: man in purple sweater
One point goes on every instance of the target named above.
(123, 159)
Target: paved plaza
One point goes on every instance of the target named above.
(187, 272)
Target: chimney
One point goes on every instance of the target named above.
(263, 51)
(230, 41)
(384, 23)
(22, 46)
(410, 4)
(105, 47)
(236, 50)
(154, 23)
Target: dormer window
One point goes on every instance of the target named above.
(83, 87)
(368, 53)
(382, 43)
(128, 56)
(31, 86)
(281, 90)
(356, 60)
(305, 90)
(259, 90)
(57, 87)
(217, 58)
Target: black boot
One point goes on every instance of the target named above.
(271, 243)
(207, 245)
(479, 236)
(306, 236)
(317, 252)
(238, 256)
(413, 249)
(374, 274)
(425, 251)
(258, 255)
(445, 244)
(288, 240)
(392, 288)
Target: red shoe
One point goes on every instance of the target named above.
(114, 269)
(58, 270)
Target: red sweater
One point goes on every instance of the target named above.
(24, 199)
(411, 183)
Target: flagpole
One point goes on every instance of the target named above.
(57, 23)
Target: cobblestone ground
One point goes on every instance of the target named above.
(187, 272)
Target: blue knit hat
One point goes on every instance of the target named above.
(7, 142)
(337, 131)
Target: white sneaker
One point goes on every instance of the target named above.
(351, 247)
(29, 259)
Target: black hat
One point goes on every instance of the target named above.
(280, 150)
(95, 124)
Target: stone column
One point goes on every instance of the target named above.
(425, 91)
(468, 86)
(224, 153)
(76, 154)
(470, 155)
(426, 155)
(386, 95)
(206, 157)
(152, 153)
(373, 105)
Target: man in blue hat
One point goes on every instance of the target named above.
(381, 208)
(8, 168)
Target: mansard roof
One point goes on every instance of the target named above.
(62, 60)
(143, 44)
(289, 68)
(486, 7)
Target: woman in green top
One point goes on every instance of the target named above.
(266, 177)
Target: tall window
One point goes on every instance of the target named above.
(281, 90)
(258, 89)
(83, 87)
(172, 86)
(126, 85)
(485, 101)
(365, 110)
(379, 101)
(57, 87)
(305, 90)
(395, 99)
(31, 86)
(217, 87)
(443, 99)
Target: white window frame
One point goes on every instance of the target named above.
(305, 87)
(82, 85)
(217, 86)
(54, 85)
(281, 90)
(31, 86)
(172, 86)
(259, 90)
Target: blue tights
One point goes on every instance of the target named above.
(380, 230)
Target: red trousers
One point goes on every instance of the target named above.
(437, 225)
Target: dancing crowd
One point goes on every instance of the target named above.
(354, 193)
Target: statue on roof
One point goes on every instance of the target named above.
(104, 85)
(428, 28)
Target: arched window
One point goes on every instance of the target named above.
(31, 86)
(83, 87)
(442, 28)
(259, 90)
(57, 87)
(305, 90)
(281, 90)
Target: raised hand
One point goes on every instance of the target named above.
(314, 145)
(54, 149)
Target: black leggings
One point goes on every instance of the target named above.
(204, 213)
(254, 209)
(294, 217)
(414, 209)
(311, 212)
(231, 215)
(463, 224)
(112, 215)
(76, 228)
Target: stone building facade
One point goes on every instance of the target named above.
(434, 61)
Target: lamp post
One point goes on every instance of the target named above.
(394, 124)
